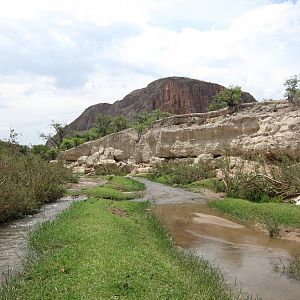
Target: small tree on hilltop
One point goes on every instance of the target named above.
(230, 97)
(291, 88)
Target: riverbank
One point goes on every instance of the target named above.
(107, 249)
(278, 219)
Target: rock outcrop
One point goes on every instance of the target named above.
(271, 129)
(177, 95)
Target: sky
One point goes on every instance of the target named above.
(58, 57)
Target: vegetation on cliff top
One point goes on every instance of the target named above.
(104, 125)
(230, 97)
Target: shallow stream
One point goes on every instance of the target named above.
(245, 255)
(14, 234)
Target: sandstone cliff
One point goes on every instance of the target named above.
(271, 128)
(177, 95)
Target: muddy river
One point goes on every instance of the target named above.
(245, 255)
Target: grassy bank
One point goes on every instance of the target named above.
(283, 214)
(102, 249)
(27, 181)
(117, 188)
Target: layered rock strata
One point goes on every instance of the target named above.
(271, 129)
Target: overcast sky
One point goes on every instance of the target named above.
(59, 57)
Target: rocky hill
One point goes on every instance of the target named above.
(270, 129)
(177, 95)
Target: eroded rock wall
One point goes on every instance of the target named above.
(263, 128)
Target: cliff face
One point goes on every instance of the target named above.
(257, 128)
(177, 95)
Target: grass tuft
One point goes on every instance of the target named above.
(124, 184)
(106, 192)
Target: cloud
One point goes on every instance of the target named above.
(257, 51)
(58, 57)
(68, 52)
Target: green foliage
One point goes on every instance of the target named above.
(120, 123)
(143, 121)
(44, 152)
(89, 252)
(291, 88)
(230, 97)
(28, 181)
(182, 171)
(106, 124)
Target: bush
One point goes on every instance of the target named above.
(266, 182)
(230, 97)
(182, 171)
(209, 183)
(28, 181)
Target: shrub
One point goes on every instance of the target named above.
(230, 97)
(182, 171)
(291, 89)
(28, 181)
(266, 182)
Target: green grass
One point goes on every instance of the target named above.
(106, 192)
(284, 214)
(91, 253)
(124, 184)
(114, 189)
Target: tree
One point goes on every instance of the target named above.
(120, 123)
(104, 125)
(230, 97)
(291, 89)
(60, 133)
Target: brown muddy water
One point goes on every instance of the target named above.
(245, 254)
(14, 235)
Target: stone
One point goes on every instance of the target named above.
(203, 157)
(94, 150)
(156, 160)
(82, 160)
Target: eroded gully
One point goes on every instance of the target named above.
(245, 255)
